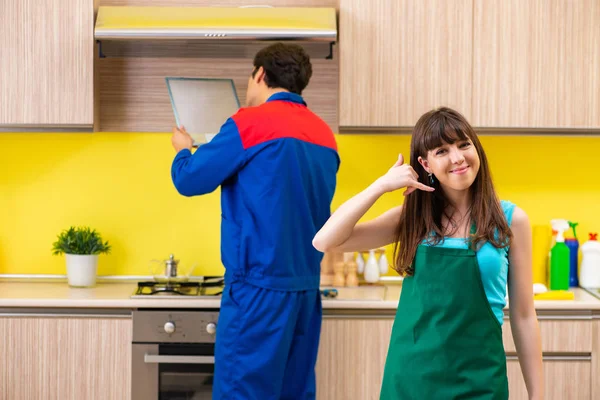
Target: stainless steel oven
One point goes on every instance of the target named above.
(173, 354)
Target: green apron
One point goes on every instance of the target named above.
(446, 342)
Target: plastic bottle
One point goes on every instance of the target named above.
(559, 257)
(573, 245)
(383, 264)
(590, 262)
(541, 251)
(360, 263)
(371, 273)
(552, 243)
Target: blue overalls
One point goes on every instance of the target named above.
(276, 165)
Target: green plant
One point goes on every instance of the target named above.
(80, 240)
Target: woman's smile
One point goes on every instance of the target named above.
(460, 170)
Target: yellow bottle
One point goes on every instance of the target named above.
(541, 249)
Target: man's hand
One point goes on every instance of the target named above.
(181, 139)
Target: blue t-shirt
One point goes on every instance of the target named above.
(493, 265)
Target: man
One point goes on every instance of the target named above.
(276, 163)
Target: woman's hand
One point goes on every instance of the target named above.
(402, 176)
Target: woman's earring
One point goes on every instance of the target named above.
(431, 178)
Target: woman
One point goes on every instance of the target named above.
(457, 246)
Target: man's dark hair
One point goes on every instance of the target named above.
(286, 66)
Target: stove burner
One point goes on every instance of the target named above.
(209, 286)
(185, 289)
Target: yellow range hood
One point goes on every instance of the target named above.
(216, 23)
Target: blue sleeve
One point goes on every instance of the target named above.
(211, 164)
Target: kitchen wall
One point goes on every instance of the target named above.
(119, 184)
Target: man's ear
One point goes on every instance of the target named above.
(259, 75)
(425, 164)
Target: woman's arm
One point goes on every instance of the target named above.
(523, 319)
(340, 232)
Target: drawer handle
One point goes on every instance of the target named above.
(557, 358)
(156, 359)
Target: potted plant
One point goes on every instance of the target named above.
(81, 245)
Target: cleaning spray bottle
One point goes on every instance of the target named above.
(559, 257)
(552, 243)
(590, 262)
(573, 245)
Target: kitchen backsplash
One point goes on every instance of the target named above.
(119, 184)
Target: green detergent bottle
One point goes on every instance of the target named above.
(559, 257)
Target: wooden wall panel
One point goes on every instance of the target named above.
(133, 93)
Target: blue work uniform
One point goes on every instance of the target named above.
(276, 164)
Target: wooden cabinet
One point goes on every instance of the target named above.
(65, 357)
(352, 354)
(569, 350)
(531, 64)
(536, 64)
(401, 58)
(353, 350)
(573, 336)
(46, 63)
(565, 378)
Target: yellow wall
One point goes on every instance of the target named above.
(119, 184)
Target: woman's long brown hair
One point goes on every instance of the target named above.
(421, 216)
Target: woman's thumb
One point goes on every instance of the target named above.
(400, 160)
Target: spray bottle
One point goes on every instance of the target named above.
(590, 262)
(552, 243)
(573, 245)
(559, 257)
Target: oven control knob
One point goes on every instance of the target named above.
(211, 328)
(169, 327)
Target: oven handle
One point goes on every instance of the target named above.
(156, 359)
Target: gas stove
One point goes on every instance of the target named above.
(208, 286)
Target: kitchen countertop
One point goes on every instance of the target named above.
(386, 297)
(117, 296)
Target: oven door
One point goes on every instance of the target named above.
(172, 371)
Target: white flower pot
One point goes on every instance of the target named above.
(81, 269)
